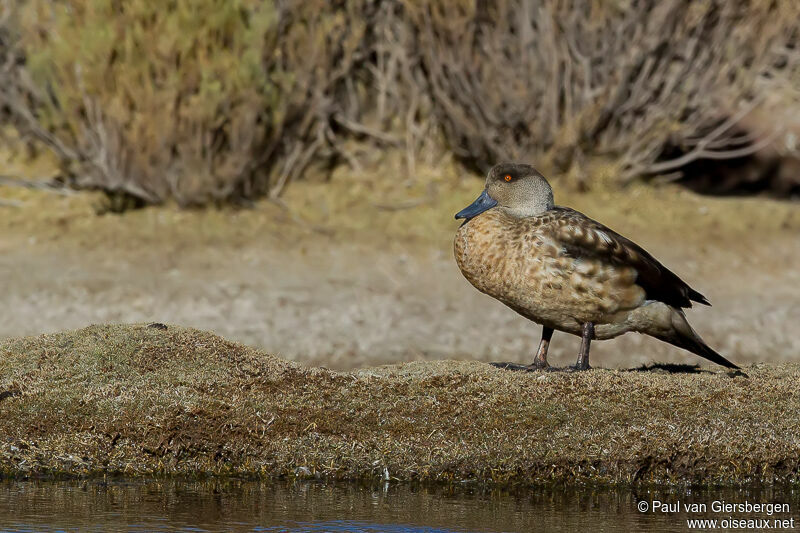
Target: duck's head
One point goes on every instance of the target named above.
(519, 189)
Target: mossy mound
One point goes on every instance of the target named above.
(144, 400)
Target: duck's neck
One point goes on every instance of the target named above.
(529, 209)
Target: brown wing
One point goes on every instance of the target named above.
(582, 236)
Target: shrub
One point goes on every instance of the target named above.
(517, 79)
(209, 100)
(196, 100)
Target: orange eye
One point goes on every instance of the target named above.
(507, 177)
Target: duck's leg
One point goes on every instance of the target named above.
(583, 354)
(540, 361)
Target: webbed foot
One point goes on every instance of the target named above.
(578, 367)
(539, 365)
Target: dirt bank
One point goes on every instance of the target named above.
(140, 400)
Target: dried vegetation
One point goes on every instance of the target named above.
(217, 101)
(141, 400)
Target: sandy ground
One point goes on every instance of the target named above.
(342, 281)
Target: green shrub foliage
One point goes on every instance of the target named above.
(196, 100)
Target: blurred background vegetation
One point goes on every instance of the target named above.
(208, 101)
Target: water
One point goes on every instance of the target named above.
(159, 505)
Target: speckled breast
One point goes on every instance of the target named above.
(520, 263)
(506, 261)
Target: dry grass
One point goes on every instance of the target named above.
(140, 400)
(364, 207)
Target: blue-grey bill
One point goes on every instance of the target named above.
(477, 207)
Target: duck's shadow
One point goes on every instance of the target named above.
(656, 368)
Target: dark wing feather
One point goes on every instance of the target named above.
(583, 236)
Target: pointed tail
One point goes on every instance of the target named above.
(683, 336)
(697, 346)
